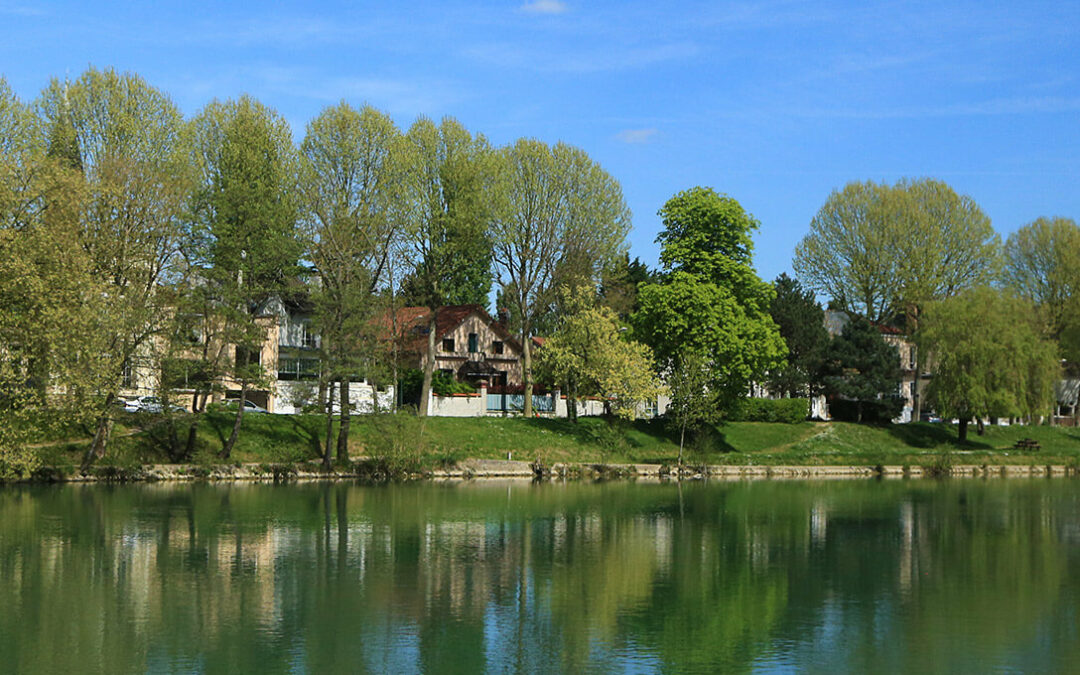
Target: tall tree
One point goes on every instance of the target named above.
(619, 283)
(886, 250)
(802, 325)
(859, 366)
(989, 357)
(694, 401)
(561, 218)
(450, 174)
(1042, 264)
(352, 192)
(247, 210)
(129, 141)
(709, 300)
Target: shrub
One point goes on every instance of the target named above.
(786, 410)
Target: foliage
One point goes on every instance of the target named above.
(1042, 264)
(351, 196)
(784, 410)
(861, 367)
(588, 356)
(247, 211)
(801, 322)
(560, 218)
(694, 403)
(709, 300)
(619, 282)
(989, 357)
(880, 249)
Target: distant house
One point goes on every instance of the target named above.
(834, 324)
(470, 345)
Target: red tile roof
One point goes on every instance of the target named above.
(412, 324)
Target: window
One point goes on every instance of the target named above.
(474, 343)
(128, 376)
(448, 344)
(497, 346)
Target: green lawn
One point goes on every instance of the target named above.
(284, 438)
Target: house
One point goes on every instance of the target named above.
(906, 350)
(470, 345)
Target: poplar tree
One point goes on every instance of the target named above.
(352, 202)
(560, 218)
(449, 179)
(247, 214)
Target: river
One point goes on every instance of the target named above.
(875, 576)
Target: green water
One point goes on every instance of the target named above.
(845, 576)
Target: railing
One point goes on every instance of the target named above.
(543, 403)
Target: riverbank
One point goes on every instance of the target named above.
(366, 470)
(449, 448)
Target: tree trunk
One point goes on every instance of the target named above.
(858, 412)
(527, 374)
(963, 429)
(343, 429)
(980, 428)
(193, 430)
(328, 443)
(227, 450)
(101, 436)
(682, 437)
(429, 367)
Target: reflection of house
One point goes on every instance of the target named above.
(469, 344)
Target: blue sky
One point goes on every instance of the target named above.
(773, 103)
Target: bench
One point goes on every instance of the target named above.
(1027, 444)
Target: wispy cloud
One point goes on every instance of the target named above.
(14, 9)
(544, 7)
(636, 136)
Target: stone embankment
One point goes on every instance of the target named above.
(489, 468)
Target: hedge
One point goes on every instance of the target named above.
(786, 410)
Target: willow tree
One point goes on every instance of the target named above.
(989, 357)
(448, 196)
(560, 218)
(247, 214)
(352, 193)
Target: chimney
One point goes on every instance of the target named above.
(503, 317)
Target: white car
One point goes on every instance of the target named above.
(150, 404)
(249, 407)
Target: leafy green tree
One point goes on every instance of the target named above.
(884, 250)
(588, 356)
(560, 219)
(989, 357)
(709, 299)
(352, 195)
(802, 325)
(859, 366)
(1042, 264)
(448, 209)
(129, 142)
(247, 209)
(694, 401)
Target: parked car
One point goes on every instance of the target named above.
(150, 404)
(249, 407)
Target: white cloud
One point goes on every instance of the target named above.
(544, 7)
(636, 136)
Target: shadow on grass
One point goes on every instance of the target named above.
(931, 435)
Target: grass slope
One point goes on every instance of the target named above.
(143, 439)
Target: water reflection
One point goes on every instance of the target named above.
(506, 577)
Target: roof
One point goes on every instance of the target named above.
(412, 323)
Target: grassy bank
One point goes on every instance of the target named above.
(442, 441)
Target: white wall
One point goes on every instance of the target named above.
(293, 396)
(467, 405)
